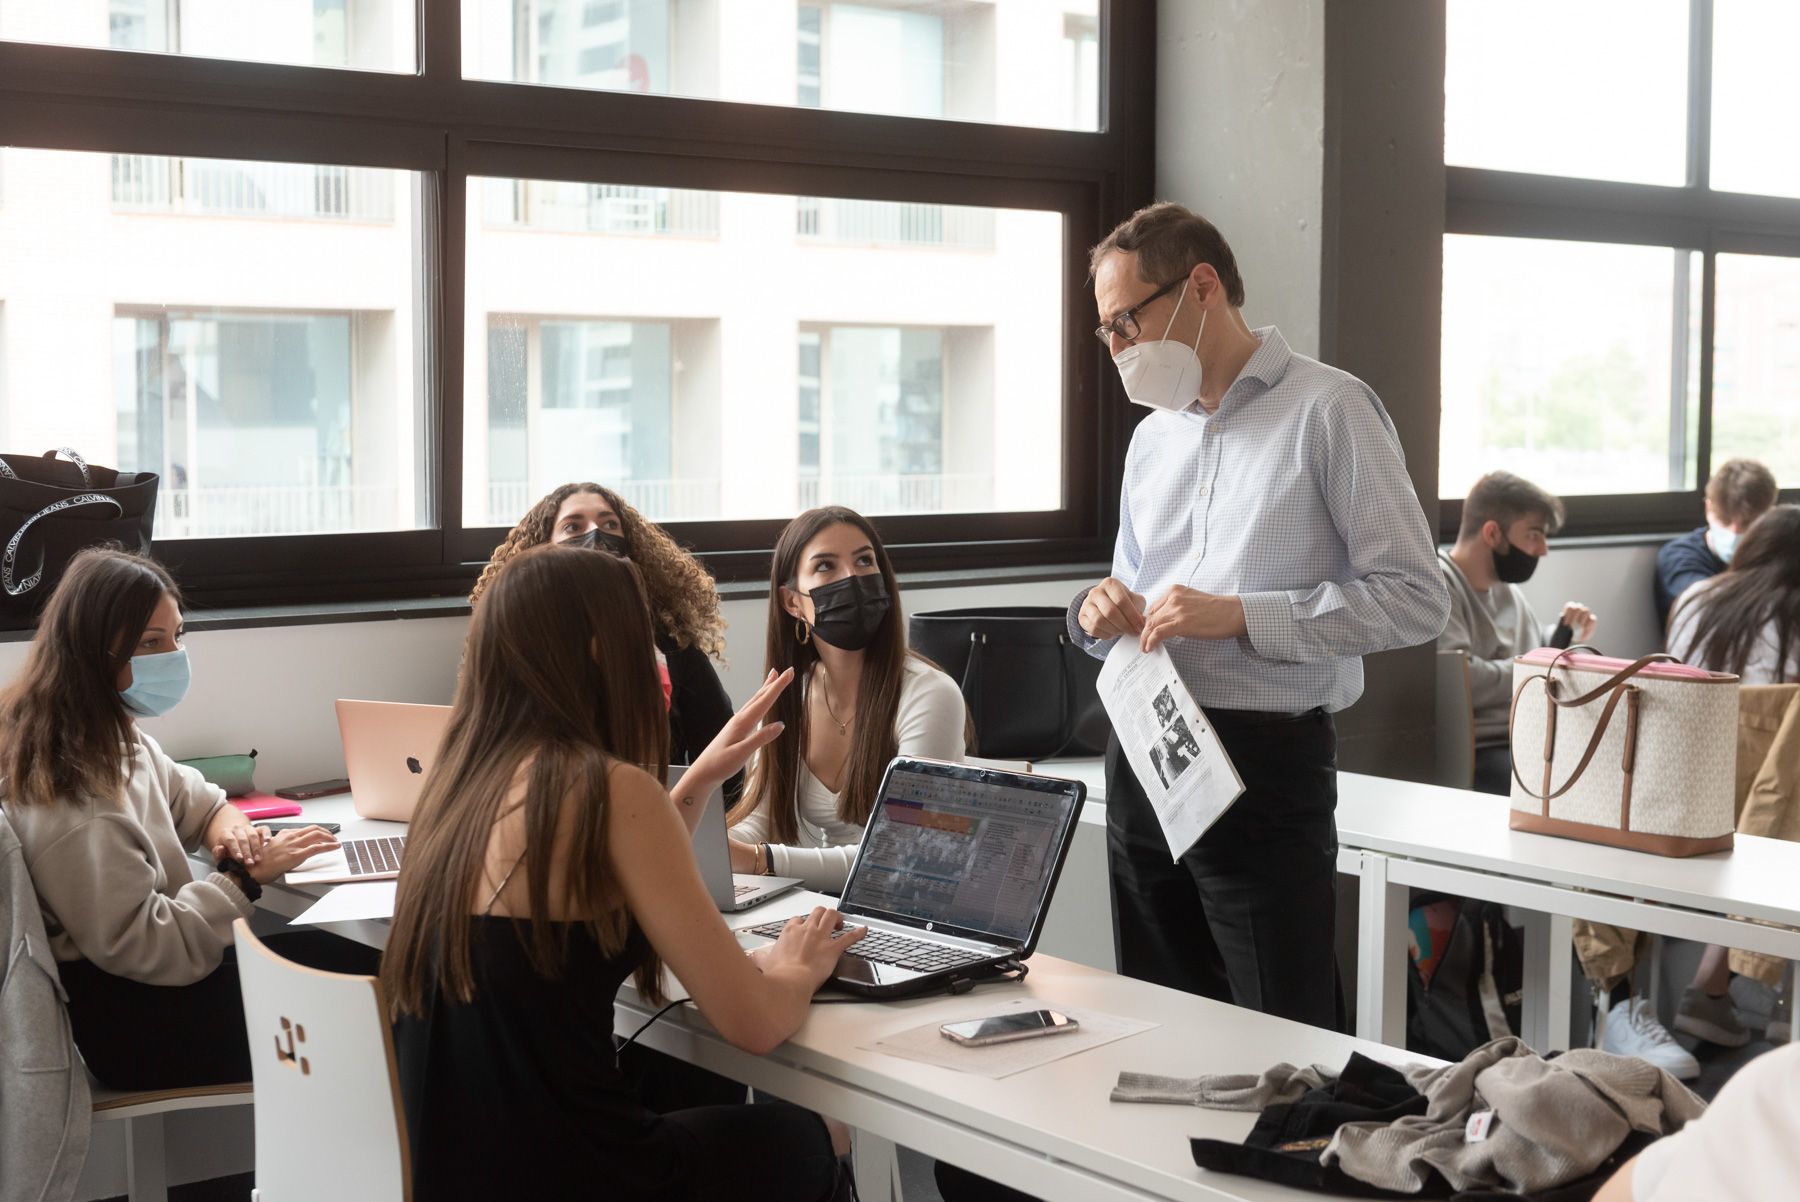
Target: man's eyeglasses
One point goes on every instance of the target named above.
(1125, 325)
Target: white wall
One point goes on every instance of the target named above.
(1614, 582)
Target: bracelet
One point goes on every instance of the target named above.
(765, 861)
(240, 876)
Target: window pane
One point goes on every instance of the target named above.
(1561, 363)
(719, 355)
(1753, 51)
(1014, 62)
(368, 35)
(1596, 90)
(1756, 363)
(268, 376)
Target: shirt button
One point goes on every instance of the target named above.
(1204, 490)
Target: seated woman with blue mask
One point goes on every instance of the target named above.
(107, 820)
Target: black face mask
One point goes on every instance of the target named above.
(600, 540)
(1514, 566)
(847, 613)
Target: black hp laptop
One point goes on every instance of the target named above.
(955, 875)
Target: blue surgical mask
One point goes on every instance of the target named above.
(158, 683)
(1723, 539)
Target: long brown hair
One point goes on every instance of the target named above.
(63, 726)
(683, 598)
(1759, 592)
(774, 779)
(559, 628)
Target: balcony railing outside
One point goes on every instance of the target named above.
(151, 183)
(602, 208)
(893, 223)
(236, 511)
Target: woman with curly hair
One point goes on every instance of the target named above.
(684, 604)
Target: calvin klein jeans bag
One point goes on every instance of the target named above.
(50, 508)
(1639, 754)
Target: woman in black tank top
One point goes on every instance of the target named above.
(544, 866)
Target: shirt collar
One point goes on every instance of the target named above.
(1266, 365)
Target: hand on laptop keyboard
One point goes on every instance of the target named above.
(883, 947)
(814, 940)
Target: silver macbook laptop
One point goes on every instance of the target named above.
(955, 874)
(712, 850)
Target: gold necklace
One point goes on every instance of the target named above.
(825, 691)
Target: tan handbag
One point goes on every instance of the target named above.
(1639, 754)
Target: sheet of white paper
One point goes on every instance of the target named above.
(349, 903)
(1169, 742)
(928, 1045)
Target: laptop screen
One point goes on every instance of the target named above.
(963, 847)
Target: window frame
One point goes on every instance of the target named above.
(1692, 217)
(448, 128)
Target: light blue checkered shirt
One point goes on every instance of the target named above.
(1294, 497)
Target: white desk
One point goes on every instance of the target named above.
(1051, 1131)
(1429, 837)
(1395, 835)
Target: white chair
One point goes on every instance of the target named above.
(142, 1111)
(1453, 763)
(328, 1117)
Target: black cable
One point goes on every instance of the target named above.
(957, 985)
(620, 1050)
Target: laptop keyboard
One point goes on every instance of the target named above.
(370, 856)
(885, 947)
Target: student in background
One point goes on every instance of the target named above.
(546, 864)
(1740, 491)
(1745, 621)
(684, 603)
(1506, 524)
(106, 821)
(861, 698)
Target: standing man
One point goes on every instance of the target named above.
(1269, 538)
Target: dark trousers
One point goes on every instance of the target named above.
(1247, 914)
(774, 1152)
(1493, 769)
(138, 1036)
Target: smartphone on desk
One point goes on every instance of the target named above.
(1004, 1028)
(319, 788)
(275, 828)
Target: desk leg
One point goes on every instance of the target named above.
(877, 1167)
(1544, 1011)
(1381, 946)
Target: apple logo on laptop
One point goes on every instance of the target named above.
(413, 766)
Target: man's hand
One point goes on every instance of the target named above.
(1580, 619)
(1185, 613)
(1111, 610)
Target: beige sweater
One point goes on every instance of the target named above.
(113, 878)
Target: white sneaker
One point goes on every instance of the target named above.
(1632, 1030)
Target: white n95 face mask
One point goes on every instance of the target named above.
(1162, 374)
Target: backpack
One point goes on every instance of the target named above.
(1470, 988)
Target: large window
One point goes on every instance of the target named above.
(362, 285)
(1622, 253)
(692, 398)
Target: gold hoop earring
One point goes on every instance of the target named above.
(802, 632)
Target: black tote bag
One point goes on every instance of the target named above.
(1031, 692)
(50, 508)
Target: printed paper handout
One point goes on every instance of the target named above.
(1169, 743)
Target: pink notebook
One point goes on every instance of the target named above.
(258, 806)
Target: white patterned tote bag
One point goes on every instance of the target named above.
(1640, 754)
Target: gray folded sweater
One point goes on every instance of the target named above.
(1554, 1120)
